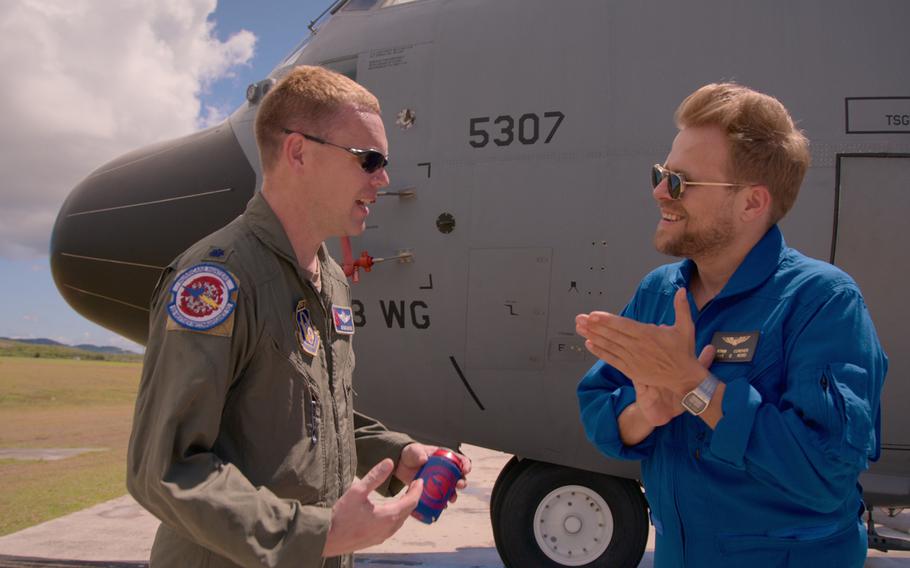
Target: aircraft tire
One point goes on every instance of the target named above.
(506, 476)
(585, 518)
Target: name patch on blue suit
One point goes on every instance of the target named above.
(735, 346)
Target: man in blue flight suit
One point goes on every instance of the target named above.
(751, 450)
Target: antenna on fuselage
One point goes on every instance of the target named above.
(333, 8)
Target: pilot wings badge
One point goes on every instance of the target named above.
(734, 341)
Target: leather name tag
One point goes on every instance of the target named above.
(735, 346)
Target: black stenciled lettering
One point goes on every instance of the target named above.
(558, 116)
(360, 319)
(424, 321)
(475, 131)
(508, 130)
(528, 128)
(393, 311)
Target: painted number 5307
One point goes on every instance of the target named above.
(506, 129)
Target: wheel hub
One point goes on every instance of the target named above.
(573, 525)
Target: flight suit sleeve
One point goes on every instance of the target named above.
(603, 394)
(375, 443)
(172, 470)
(813, 444)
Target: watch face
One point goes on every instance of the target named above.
(694, 404)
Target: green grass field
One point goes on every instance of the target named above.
(60, 403)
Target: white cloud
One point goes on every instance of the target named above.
(213, 115)
(86, 81)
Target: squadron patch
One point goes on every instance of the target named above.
(344, 319)
(202, 298)
(735, 346)
(307, 334)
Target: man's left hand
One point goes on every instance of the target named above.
(413, 456)
(656, 355)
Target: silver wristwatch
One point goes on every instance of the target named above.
(697, 399)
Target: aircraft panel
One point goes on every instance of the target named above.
(508, 293)
(871, 194)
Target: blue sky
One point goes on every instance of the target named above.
(78, 96)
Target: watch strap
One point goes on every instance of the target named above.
(707, 387)
(697, 400)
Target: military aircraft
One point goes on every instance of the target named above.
(521, 134)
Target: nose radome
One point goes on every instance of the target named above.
(126, 221)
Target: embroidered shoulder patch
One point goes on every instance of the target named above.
(344, 320)
(203, 297)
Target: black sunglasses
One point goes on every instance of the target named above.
(370, 160)
(676, 183)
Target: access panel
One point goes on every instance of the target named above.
(871, 245)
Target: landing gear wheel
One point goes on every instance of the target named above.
(551, 516)
(505, 479)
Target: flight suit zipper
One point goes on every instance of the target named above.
(328, 345)
(312, 423)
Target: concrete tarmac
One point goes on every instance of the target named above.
(119, 534)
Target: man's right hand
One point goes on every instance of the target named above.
(358, 523)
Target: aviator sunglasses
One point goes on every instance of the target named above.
(676, 183)
(370, 160)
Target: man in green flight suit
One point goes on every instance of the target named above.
(245, 442)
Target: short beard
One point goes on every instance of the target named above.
(705, 243)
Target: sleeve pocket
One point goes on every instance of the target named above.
(848, 386)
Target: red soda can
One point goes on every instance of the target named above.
(439, 475)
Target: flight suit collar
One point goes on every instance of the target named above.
(268, 229)
(753, 271)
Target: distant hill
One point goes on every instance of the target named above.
(83, 346)
(39, 341)
(55, 350)
(104, 349)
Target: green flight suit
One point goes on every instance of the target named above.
(242, 441)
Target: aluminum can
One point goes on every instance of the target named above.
(439, 475)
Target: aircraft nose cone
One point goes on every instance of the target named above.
(127, 220)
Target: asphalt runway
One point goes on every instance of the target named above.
(119, 534)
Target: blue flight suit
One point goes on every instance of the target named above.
(776, 483)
